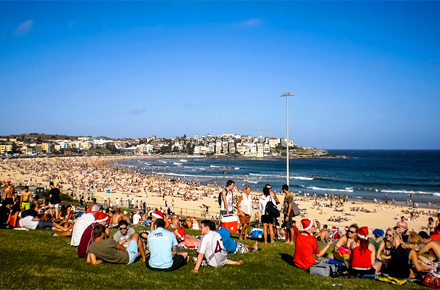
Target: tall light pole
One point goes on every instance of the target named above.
(287, 135)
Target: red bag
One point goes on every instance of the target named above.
(432, 280)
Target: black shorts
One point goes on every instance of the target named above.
(267, 219)
(178, 261)
(289, 223)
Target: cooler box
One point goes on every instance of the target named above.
(230, 223)
(256, 233)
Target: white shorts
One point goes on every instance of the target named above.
(56, 205)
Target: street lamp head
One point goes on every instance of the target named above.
(287, 94)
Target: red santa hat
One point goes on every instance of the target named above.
(101, 217)
(307, 224)
(158, 214)
(194, 218)
(181, 234)
(363, 233)
(9, 182)
(188, 218)
(93, 208)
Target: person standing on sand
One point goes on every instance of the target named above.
(54, 199)
(226, 199)
(288, 214)
(244, 207)
(25, 198)
(267, 220)
(9, 192)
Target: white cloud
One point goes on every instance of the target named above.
(250, 22)
(24, 28)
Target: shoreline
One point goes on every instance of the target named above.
(78, 173)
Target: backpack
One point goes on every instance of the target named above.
(220, 197)
(271, 209)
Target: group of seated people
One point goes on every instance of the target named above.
(397, 252)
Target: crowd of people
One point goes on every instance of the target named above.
(397, 251)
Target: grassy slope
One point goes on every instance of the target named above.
(34, 259)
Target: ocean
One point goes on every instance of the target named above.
(362, 175)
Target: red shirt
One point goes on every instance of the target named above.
(305, 248)
(295, 231)
(435, 237)
(86, 239)
(361, 260)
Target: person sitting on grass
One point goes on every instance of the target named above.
(5, 212)
(363, 257)
(87, 237)
(341, 251)
(211, 251)
(235, 247)
(108, 250)
(82, 223)
(306, 246)
(404, 262)
(430, 246)
(387, 248)
(123, 235)
(162, 245)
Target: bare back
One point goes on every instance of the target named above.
(9, 192)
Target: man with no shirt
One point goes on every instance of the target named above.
(9, 191)
(25, 198)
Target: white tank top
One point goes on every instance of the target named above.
(228, 201)
(246, 204)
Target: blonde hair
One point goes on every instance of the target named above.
(414, 238)
(392, 242)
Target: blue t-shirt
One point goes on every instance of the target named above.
(228, 242)
(160, 242)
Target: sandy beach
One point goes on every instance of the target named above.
(96, 177)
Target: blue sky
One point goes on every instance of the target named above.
(366, 75)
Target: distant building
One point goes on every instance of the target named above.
(260, 150)
(273, 142)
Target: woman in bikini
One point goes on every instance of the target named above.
(342, 247)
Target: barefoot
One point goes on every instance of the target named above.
(256, 245)
(240, 262)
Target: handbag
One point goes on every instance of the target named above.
(432, 280)
(296, 211)
(323, 269)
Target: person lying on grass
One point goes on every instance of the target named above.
(108, 250)
(185, 241)
(235, 247)
(30, 220)
(211, 251)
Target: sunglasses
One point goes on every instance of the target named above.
(123, 229)
(352, 232)
(388, 235)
